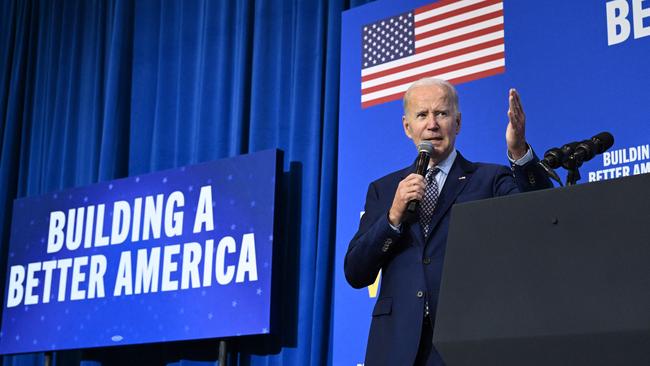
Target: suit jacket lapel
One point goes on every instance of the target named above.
(460, 173)
(458, 177)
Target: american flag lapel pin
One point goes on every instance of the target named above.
(461, 178)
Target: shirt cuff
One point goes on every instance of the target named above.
(528, 156)
(397, 229)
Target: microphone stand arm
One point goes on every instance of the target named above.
(551, 173)
(573, 174)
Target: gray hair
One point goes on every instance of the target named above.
(451, 91)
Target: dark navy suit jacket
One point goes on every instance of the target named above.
(411, 268)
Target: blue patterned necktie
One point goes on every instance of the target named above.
(429, 201)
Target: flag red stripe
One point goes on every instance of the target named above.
(433, 6)
(459, 11)
(439, 71)
(432, 59)
(479, 75)
(456, 81)
(462, 37)
(458, 25)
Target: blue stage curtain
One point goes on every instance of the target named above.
(97, 90)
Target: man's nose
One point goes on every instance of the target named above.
(432, 122)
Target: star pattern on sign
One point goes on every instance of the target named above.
(81, 320)
(388, 40)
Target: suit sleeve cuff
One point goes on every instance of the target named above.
(396, 228)
(528, 157)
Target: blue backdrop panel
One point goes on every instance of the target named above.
(218, 262)
(573, 84)
(98, 90)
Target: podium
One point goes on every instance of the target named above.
(554, 277)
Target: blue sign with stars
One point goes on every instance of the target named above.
(174, 255)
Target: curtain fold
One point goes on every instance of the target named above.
(98, 90)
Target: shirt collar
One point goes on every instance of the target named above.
(445, 165)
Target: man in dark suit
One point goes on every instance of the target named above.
(410, 253)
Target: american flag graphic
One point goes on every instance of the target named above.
(458, 41)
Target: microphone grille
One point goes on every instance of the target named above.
(425, 146)
(604, 141)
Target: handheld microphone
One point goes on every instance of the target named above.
(425, 149)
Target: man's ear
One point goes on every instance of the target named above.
(458, 119)
(407, 127)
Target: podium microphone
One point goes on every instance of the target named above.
(572, 155)
(555, 157)
(587, 149)
(425, 149)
